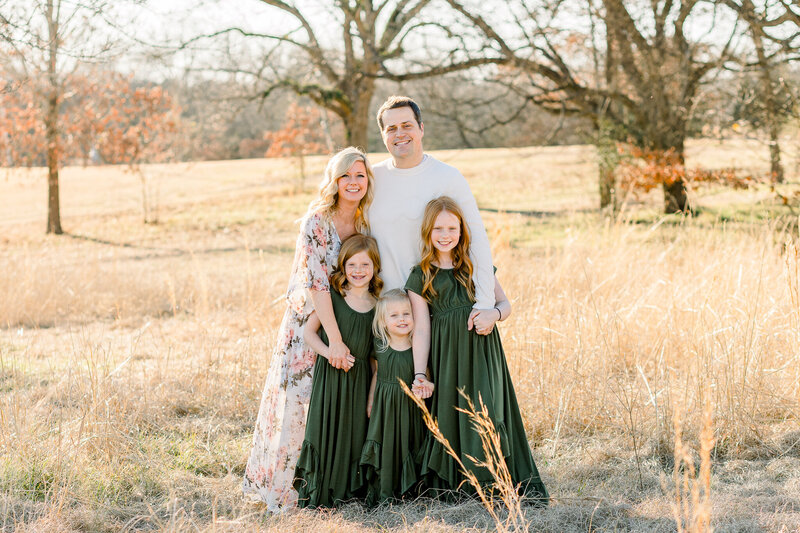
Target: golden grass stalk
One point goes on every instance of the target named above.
(692, 502)
(495, 463)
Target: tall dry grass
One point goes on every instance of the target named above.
(130, 373)
(620, 329)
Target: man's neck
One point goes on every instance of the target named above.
(405, 164)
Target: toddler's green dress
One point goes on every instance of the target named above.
(462, 359)
(396, 430)
(328, 470)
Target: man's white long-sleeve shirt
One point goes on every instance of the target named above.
(395, 219)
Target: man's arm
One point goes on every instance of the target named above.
(480, 252)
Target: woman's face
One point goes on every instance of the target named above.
(399, 319)
(446, 232)
(358, 270)
(353, 184)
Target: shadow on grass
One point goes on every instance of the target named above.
(158, 252)
(574, 515)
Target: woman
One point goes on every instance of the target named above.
(338, 212)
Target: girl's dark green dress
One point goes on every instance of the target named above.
(396, 430)
(462, 359)
(328, 471)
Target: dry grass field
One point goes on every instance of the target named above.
(132, 356)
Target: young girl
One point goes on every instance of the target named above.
(465, 359)
(328, 469)
(396, 431)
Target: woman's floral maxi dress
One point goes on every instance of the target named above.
(281, 422)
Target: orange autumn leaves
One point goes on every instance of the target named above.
(299, 136)
(641, 170)
(103, 117)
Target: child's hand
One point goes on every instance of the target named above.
(422, 388)
(369, 409)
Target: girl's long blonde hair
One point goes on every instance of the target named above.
(351, 246)
(338, 165)
(462, 265)
(379, 328)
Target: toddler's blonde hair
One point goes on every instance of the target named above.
(379, 328)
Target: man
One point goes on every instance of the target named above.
(404, 184)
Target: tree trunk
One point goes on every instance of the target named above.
(608, 192)
(607, 161)
(51, 127)
(53, 200)
(675, 198)
(355, 126)
(768, 91)
(776, 167)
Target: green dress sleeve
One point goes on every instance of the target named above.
(414, 283)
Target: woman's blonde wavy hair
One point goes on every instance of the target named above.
(328, 197)
(462, 265)
(351, 246)
(379, 328)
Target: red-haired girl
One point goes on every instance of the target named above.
(465, 360)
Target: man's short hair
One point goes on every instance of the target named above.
(393, 102)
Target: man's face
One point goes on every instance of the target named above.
(403, 136)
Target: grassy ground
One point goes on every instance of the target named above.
(132, 356)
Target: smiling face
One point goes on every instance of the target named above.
(353, 183)
(358, 270)
(446, 232)
(402, 136)
(399, 320)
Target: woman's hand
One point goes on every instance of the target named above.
(339, 356)
(422, 387)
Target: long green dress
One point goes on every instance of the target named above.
(396, 431)
(328, 470)
(462, 359)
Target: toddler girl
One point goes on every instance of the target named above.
(396, 430)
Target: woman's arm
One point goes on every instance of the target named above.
(311, 335)
(314, 341)
(314, 243)
(480, 251)
(337, 350)
(421, 344)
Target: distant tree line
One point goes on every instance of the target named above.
(635, 73)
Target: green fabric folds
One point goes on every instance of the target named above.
(328, 470)
(462, 359)
(396, 432)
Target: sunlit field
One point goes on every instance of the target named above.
(132, 355)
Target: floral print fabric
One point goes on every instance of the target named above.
(281, 423)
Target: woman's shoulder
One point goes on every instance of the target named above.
(317, 225)
(315, 218)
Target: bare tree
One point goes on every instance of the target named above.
(49, 41)
(774, 27)
(356, 43)
(633, 67)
